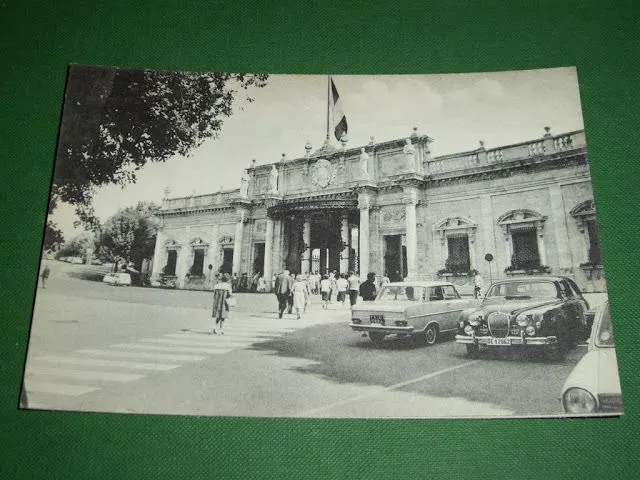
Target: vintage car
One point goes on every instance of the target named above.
(422, 310)
(543, 311)
(593, 387)
(118, 279)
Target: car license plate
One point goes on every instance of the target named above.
(377, 319)
(499, 341)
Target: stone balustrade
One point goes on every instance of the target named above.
(546, 145)
(199, 201)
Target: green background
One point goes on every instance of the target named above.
(39, 40)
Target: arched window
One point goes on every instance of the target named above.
(523, 232)
(457, 238)
(585, 216)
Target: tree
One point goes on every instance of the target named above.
(114, 121)
(52, 236)
(77, 246)
(130, 234)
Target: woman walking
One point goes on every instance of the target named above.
(221, 294)
(300, 292)
(325, 290)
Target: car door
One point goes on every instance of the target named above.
(432, 308)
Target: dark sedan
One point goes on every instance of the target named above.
(547, 312)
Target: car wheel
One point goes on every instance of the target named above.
(473, 351)
(376, 337)
(431, 334)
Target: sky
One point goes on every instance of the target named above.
(456, 110)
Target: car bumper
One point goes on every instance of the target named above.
(386, 329)
(506, 341)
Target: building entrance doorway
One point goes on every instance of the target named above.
(395, 257)
(258, 258)
(227, 260)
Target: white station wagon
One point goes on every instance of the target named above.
(422, 310)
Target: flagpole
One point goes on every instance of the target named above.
(328, 104)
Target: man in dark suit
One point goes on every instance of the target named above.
(283, 290)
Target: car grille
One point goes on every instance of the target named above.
(498, 323)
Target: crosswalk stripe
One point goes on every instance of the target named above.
(58, 388)
(169, 348)
(228, 333)
(159, 356)
(83, 374)
(202, 342)
(95, 362)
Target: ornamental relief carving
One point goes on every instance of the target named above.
(322, 173)
(393, 214)
(260, 227)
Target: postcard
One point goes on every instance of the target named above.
(339, 246)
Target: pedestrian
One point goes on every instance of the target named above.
(384, 280)
(44, 274)
(325, 290)
(221, 295)
(262, 286)
(342, 285)
(478, 284)
(368, 288)
(299, 293)
(333, 278)
(354, 288)
(282, 290)
(290, 297)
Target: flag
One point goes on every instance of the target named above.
(339, 118)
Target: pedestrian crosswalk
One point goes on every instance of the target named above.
(49, 378)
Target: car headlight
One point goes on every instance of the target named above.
(530, 330)
(475, 320)
(523, 319)
(578, 400)
(468, 329)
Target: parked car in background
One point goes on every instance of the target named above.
(593, 387)
(118, 279)
(546, 312)
(421, 310)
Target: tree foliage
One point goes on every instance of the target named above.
(130, 234)
(114, 121)
(77, 246)
(52, 236)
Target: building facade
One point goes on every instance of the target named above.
(391, 207)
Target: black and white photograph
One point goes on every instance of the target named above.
(322, 246)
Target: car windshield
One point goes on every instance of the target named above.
(401, 293)
(523, 290)
(604, 335)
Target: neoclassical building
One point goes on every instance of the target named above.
(392, 207)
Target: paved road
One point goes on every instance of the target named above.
(94, 347)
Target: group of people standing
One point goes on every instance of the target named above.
(242, 283)
(294, 291)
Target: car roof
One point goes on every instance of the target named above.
(547, 278)
(418, 283)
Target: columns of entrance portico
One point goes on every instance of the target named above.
(305, 262)
(237, 240)
(344, 237)
(267, 270)
(410, 198)
(364, 202)
(158, 255)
